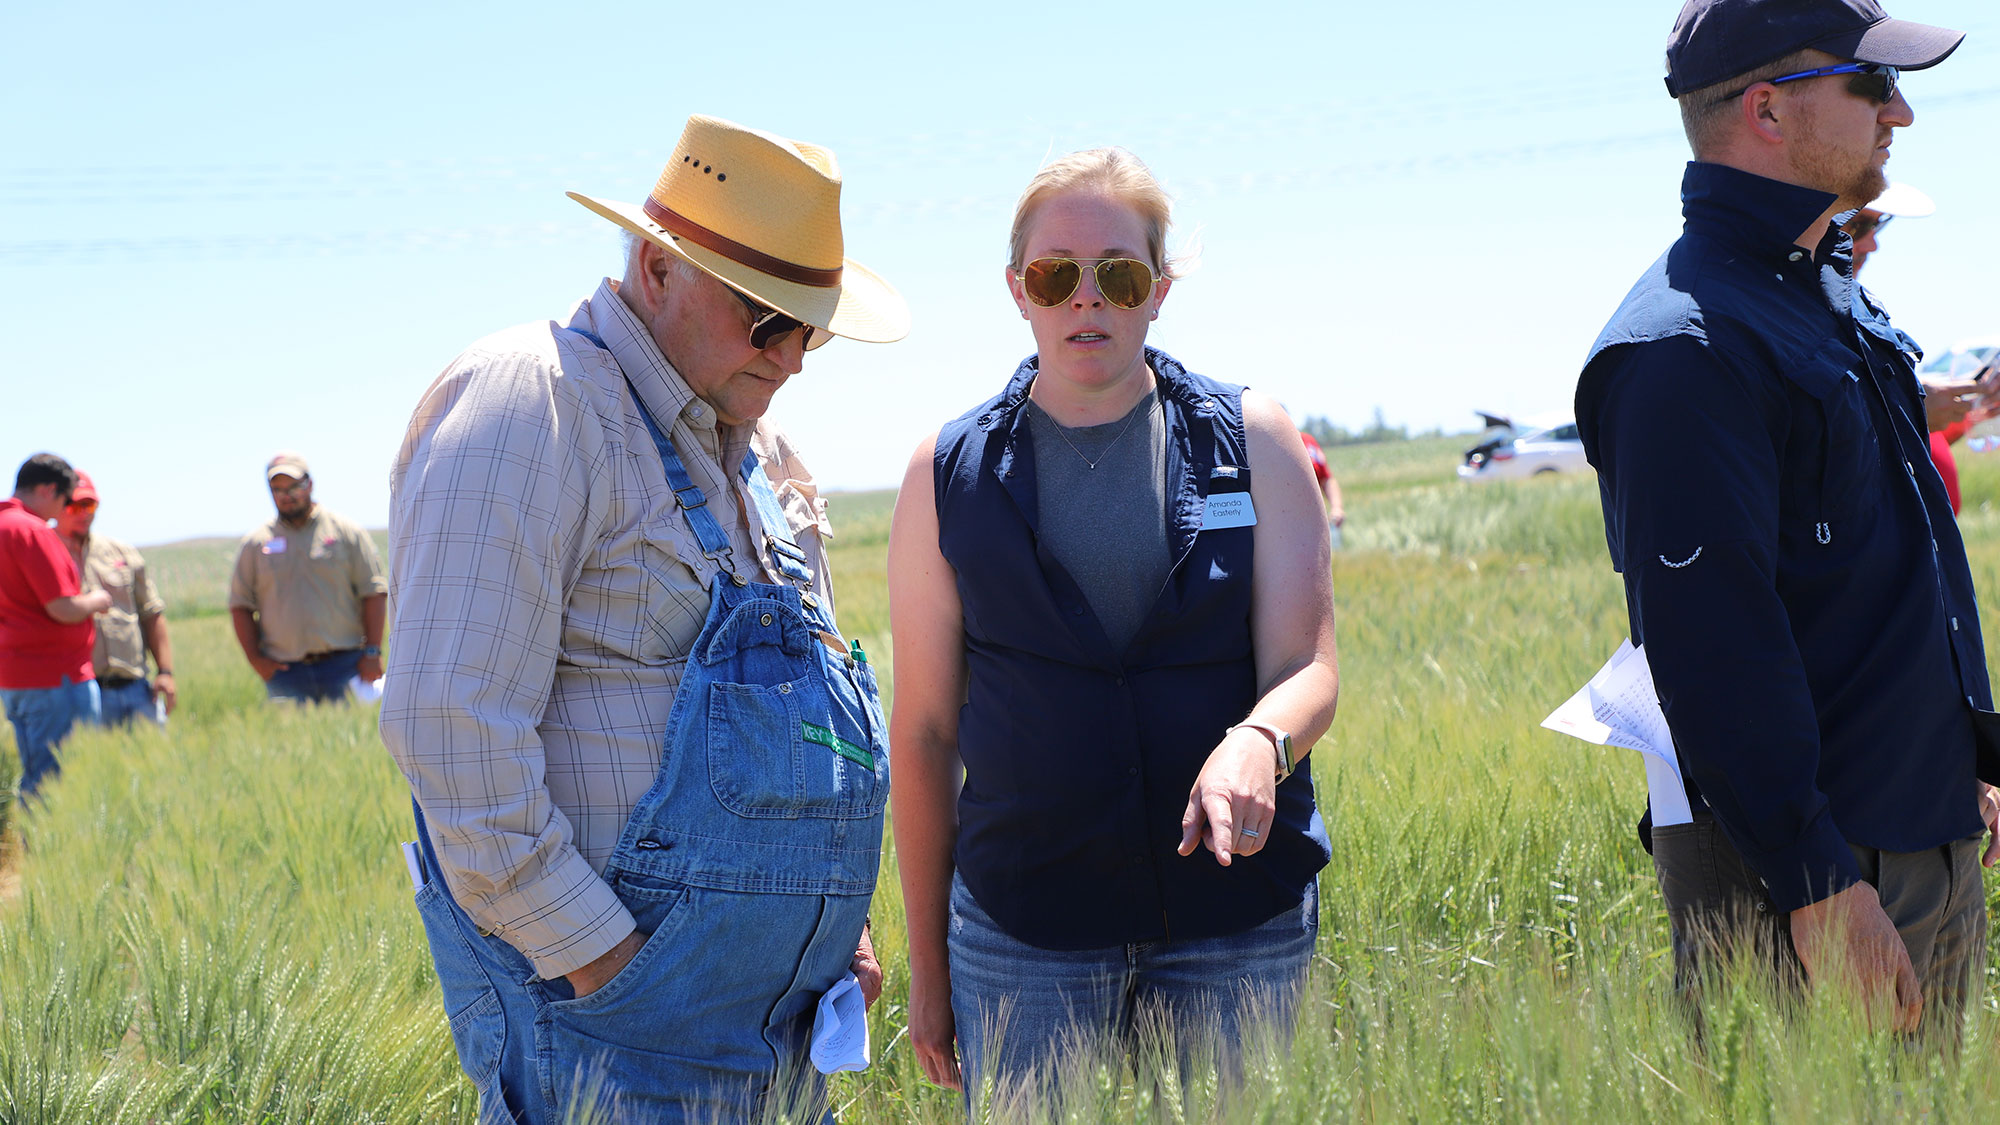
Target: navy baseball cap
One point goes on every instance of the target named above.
(1718, 39)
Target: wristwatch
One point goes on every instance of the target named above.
(371, 650)
(1281, 741)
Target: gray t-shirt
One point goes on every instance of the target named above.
(1106, 524)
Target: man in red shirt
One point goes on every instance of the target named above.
(46, 681)
(1329, 488)
(1951, 407)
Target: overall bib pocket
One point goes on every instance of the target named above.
(793, 730)
(795, 750)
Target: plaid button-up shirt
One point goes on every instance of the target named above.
(546, 589)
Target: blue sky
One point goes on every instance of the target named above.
(230, 229)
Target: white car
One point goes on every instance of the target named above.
(1550, 449)
(1962, 360)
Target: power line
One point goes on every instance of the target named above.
(1235, 183)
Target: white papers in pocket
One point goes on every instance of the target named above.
(414, 861)
(1619, 707)
(840, 1029)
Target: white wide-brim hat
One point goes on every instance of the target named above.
(761, 214)
(1904, 200)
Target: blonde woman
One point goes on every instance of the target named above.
(1113, 625)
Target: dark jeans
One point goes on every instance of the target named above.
(1718, 908)
(322, 681)
(42, 718)
(127, 701)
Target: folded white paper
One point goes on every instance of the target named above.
(415, 862)
(840, 1030)
(365, 691)
(1619, 707)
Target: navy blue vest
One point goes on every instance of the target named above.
(1079, 757)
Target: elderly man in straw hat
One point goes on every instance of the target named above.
(649, 771)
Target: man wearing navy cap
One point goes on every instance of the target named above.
(1790, 559)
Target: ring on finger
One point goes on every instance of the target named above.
(1250, 832)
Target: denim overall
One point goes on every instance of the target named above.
(751, 863)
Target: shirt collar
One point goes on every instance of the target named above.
(665, 393)
(1172, 381)
(280, 528)
(1745, 209)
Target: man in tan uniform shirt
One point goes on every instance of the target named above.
(135, 624)
(308, 598)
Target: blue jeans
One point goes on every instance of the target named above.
(323, 681)
(42, 718)
(1024, 1013)
(126, 702)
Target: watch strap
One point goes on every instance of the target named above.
(1281, 744)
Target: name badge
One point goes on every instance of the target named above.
(275, 546)
(1228, 509)
(1228, 499)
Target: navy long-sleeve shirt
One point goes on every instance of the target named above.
(1790, 558)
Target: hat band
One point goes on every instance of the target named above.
(675, 223)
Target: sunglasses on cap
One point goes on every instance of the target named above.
(1125, 282)
(1873, 81)
(769, 327)
(1864, 224)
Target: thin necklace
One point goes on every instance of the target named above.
(1106, 451)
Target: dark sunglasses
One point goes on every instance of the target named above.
(769, 327)
(1873, 81)
(1125, 282)
(1863, 224)
(294, 488)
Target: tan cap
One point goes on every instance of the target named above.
(286, 464)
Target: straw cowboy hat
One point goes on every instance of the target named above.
(762, 214)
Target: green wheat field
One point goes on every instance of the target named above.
(213, 924)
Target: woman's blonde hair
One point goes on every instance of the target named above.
(1114, 171)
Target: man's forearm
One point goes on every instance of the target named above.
(245, 623)
(78, 608)
(374, 619)
(1733, 687)
(154, 629)
(66, 611)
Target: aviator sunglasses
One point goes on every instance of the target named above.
(1863, 224)
(1125, 282)
(769, 327)
(1874, 81)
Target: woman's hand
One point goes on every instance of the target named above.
(1234, 799)
(934, 1030)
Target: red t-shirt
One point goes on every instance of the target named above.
(35, 569)
(1947, 465)
(1317, 456)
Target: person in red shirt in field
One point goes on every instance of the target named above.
(46, 681)
(1329, 488)
(1950, 408)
